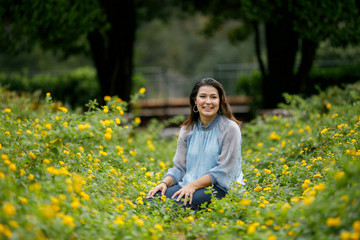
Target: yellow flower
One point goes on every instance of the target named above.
(257, 189)
(68, 220)
(119, 220)
(163, 197)
(345, 235)
(142, 90)
(107, 136)
(48, 94)
(12, 167)
(245, 202)
(274, 136)
(139, 222)
(271, 237)
(32, 155)
(333, 222)
(31, 177)
(308, 200)
(320, 187)
(252, 228)
(84, 196)
(103, 153)
(7, 110)
(240, 223)
(35, 187)
(23, 200)
(13, 223)
(106, 109)
(137, 120)
(285, 207)
(159, 227)
(306, 183)
(162, 165)
(81, 127)
(356, 226)
(9, 209)
(75, 204)
(107, 98)
(323, 131)
(269, 222)
(63, 109)
(318, 175)
(339, 175)
(267, 171)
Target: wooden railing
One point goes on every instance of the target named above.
(155, 108)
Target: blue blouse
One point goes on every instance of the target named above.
(214, 149)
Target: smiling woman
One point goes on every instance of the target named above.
(208, 151)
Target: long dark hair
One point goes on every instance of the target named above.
(224, 108)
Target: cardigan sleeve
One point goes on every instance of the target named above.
(178, 170)
(228, 167)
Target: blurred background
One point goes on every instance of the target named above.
(82, 50)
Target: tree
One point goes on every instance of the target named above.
(292, 28)
(103, 29)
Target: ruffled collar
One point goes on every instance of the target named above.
(210, 125)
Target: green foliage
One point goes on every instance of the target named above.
(316, 20)
(56, 25)
(329, 76)
(251, 86)
(73, 88)
(67, 175)
(320, 78)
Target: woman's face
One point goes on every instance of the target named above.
(208, 102)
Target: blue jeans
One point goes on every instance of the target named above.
(199, 196)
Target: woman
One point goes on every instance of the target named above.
(208, 150)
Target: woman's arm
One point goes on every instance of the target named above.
(189, 189)
(228, 167)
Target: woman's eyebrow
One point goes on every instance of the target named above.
(211, 94)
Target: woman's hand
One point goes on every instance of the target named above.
(161, 187)
(186, 192)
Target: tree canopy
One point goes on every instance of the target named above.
(105, 30)
(292, 28)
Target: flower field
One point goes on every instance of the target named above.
(66, 175)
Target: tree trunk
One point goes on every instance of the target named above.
(308, 53)
(112, 50)
(258, 49)
(282, 45)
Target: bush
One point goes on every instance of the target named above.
(323, 77)
(84, 176)
(319, 79)
(73, 88)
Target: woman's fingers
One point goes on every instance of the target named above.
(188, 197)
(150, 194)
(163, 190)
(153, 191)
(176, 193)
